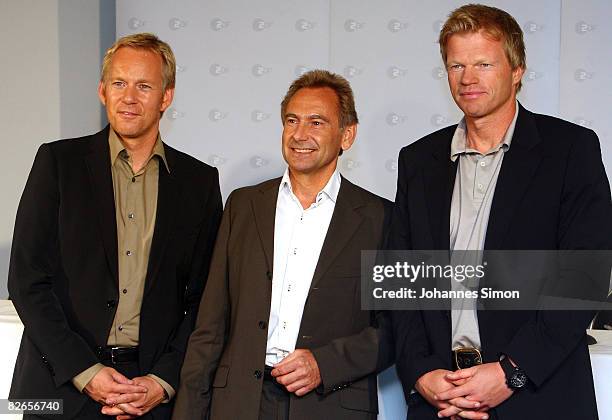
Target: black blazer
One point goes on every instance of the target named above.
(552, 193)
(222, 374)
(63, 268)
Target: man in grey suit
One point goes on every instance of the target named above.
(280, 332)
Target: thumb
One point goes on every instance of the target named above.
(119, 378)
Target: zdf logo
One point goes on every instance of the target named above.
(173, 114)
(258, 70)
(216, 160)
(259, 116)
(395, 25)
(135, 23)
(302, 25)
(258, 162)
(218, 24)
(393, 119)
(582, 27)
(218, 69)
(175, 24)
(260, 25)
(351, 25)
(216, 115)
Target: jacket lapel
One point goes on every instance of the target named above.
(264, 211)
(101, 181)
(168, 195)
(439, 179)
(344, 222)
(518, 167)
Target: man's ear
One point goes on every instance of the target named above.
(167, 99)
(349, 133)
(101, 93)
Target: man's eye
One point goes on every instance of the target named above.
(455, 67)
(485, 65)
(144, 87)
(317, 123)
(118, 84)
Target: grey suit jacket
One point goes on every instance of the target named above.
(222, 372)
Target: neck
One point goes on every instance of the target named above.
(307, 186)
(139, 150)
(484, 133)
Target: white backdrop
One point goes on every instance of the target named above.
(237, 58)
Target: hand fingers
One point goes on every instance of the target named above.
(123, 389)
(286, 366)
(465, 403)
(473, 415)
(449, 411)
(118, 377)
(459, 382)
(460, 374)
(304, 390)
(130, 409)
(459, 391)
(294, 386)
(125, 417)
(111, 410)
(126, 398)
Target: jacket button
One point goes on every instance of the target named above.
(262, 325)
(110, 304)
(257, 374)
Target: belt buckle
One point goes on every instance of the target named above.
(112, 353)
(471, 354)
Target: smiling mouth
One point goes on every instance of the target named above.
(127, 114)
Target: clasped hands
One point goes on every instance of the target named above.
(123, 397)
(298, 372)
(465, 393)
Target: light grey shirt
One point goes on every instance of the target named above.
(475, 183)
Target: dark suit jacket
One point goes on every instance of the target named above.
(226, 352)
(552, 193)
(63, 269)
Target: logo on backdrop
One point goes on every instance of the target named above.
(216, 160)
(438, 73)
(218, 69)
(258, 70)
(351, 71)
(258, 162)
(350, 164)
(216, 115)
(582, 75)
(175, 24)
(174, 114)
(438, 120)
(181, 69)
(261, 25)
(302, 25)
(583, 122)
(395, 26)
(351, 25)
(394, 72)
(259, 116)
(394, 119)
(583, 27)
(218, 24)
(391, 165)
(532, 27)
(135, 23)
(531, 75)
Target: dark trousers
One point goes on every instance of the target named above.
(275, 399)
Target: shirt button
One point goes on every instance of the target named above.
(480, 186)
(483, 163)
(124, 291)
(133, 179)
(262, 325)
(128, 253)
(257, 374)
(120, 328)
(131, 215)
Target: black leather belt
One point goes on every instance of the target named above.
(116, 355)
(268, 373)
(466, 357)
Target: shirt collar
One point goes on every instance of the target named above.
(330, 190)
(459, 141)
(116, 148)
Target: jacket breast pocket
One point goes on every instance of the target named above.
(220, 380)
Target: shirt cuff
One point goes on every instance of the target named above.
(169, 390)
(82, 379)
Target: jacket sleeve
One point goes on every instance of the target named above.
(209, 336)
(585, 223)
(34, 266)
(169, 364)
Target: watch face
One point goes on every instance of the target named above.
(517, 380)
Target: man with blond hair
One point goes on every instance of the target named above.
(502, 179)
(112, 242)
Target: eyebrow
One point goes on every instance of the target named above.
(309, 117)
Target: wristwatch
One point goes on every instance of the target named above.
(516, 379)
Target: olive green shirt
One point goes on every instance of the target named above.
(135, 211)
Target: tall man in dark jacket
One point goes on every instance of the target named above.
(503, 179)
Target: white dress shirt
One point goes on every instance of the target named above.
(298, 238)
